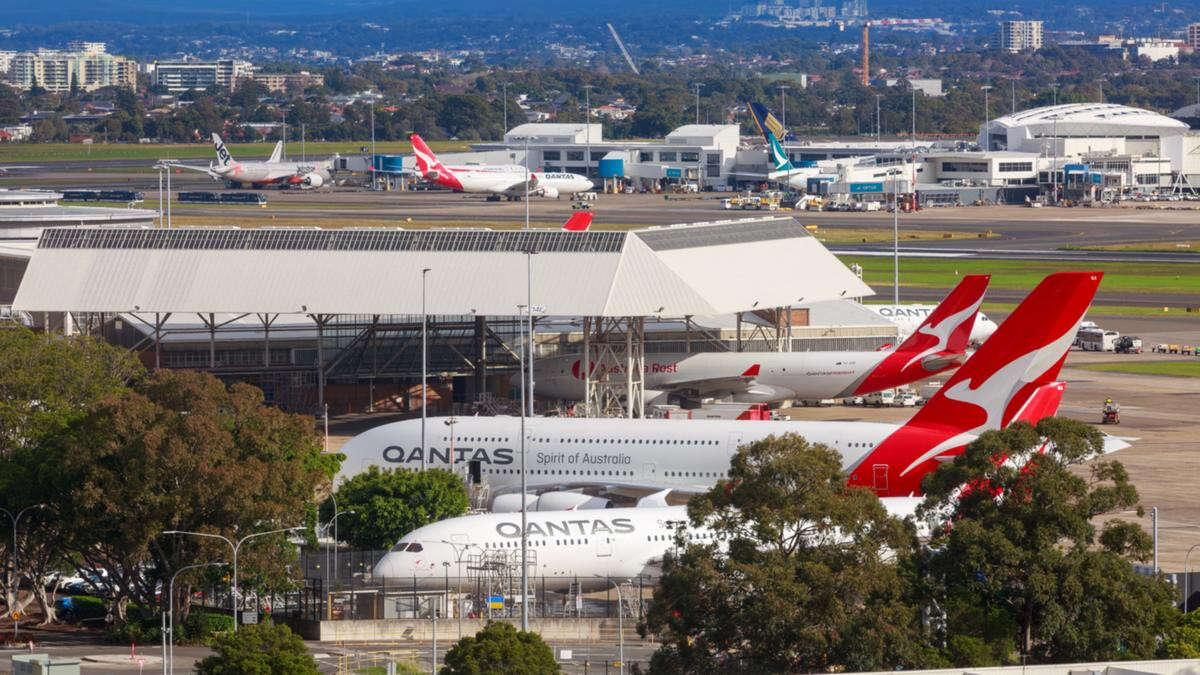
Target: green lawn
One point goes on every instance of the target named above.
(62, 152)
(1025, 274)
(1170, 368)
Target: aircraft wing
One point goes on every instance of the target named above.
(520, 188)
(201, 169)
(741, 382)
(631, 489)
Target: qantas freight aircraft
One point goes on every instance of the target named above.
(910, 317)
(587, 548)
(938, 344)
(507, 180)
(274, 171)
(1011, 377)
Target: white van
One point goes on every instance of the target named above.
(1098, 340)
(880, 399)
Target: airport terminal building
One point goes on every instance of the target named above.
(1091, 151)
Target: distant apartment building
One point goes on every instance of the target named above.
(1020, 36)
(87, 66)
(289, 82)
(6, 59)
(180, 76)
(1193, 36)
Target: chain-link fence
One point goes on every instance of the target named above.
(338, 586)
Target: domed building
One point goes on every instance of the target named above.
(1081, 128)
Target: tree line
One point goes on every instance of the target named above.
(442, 104)
(1019, 560)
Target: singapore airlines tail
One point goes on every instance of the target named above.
(1005, 379)
(939, 343)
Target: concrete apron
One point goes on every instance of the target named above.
(421, 630)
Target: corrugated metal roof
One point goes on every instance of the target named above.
(701, 268)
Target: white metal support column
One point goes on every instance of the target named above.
(614, 367)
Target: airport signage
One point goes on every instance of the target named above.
(249, 617)
(674, 173)
(860, 188)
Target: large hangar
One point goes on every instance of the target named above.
(1078, 128)
(463, 276)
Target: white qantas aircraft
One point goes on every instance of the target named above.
(938, 344)
(1010, 377)
(910, 317)
(499, 180)
(587, 548)
(274, 171)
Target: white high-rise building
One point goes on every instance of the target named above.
(1193, 35)
(87, 69)
(179, 76)
(1020, 36)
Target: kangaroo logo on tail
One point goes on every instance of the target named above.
(938, 344)
(992, 388)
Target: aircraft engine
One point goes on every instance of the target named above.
(313, 180)
(549, 192)
(571, 501)
(549, 501)
(511, 503)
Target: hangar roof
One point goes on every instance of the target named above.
(691, 269)
(1112, 118)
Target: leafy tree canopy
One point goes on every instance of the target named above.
(259, 650)
(500, 649)
(390, 503)
(802, 574)
(1023, 563)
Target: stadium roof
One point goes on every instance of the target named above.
(693, 269)
(1108, 119)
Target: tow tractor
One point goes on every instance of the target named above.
(1110, 412)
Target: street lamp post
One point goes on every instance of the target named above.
(424, 364)
(878, 119)
(620, 628)
(16, 585)
(505, 87)
(987, 119)
(169, 656)
(783, 108)
(333, 522)
(697, 86)
(587, 97)
(235, 547)
(895, 236)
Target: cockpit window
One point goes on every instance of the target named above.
(414, 548)
(402, 546)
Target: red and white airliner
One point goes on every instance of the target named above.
(937, 345)
(581, 463)
(502, 180)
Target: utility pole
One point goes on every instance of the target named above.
(878, 119)
(783, 107)
(424, 364)
(698, 85)
(505, 87)
(303, 153)
(13, 557)
(372, 145)
(1014, 94)
(987, 119)
(587, 98)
